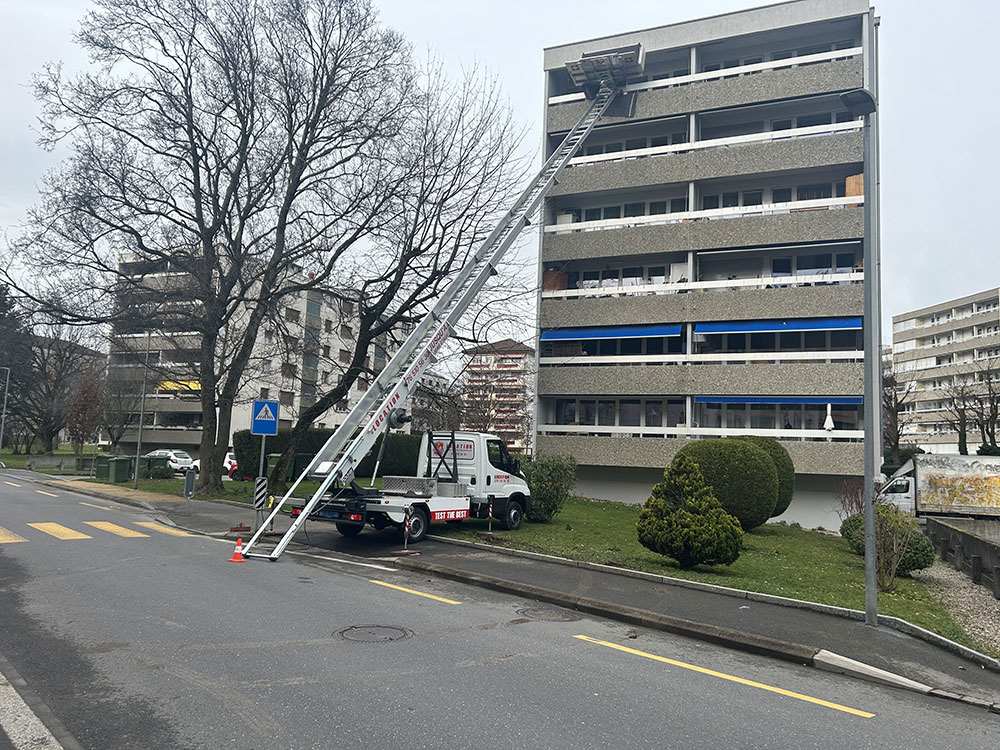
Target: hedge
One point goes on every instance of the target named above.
(400, 454)
(741, 475)
(782, 464)
(919, 551)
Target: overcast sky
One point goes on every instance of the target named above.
(939, 109)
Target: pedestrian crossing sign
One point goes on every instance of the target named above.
(265, 418)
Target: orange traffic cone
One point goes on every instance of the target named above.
(238, 552)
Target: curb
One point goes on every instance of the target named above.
(99, 495)
(798, 653)
(895, 623)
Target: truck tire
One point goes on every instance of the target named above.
(419, 520)
(512, 516)
(349, 529)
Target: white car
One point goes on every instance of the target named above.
(228, 465)
(176, 460)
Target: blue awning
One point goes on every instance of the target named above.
(778, 399)
(612, 332)
(779, 326)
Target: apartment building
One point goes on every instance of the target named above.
(701, 257)
(941, 353)
(496, 387)
(299, 354)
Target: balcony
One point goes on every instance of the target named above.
(807, 75)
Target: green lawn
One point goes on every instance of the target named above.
(20, 461)
(776, 559)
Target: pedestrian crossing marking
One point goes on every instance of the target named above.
(162, 529)
(99, 507)
(58, 531)
(113, 528)
(12, 484)
(43, 492)
(265, 414)
(9, 537)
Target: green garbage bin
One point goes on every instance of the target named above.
(159, 462)
(119, 469)
(101, 467)
(270, 460)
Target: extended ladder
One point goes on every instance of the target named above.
(352, 440)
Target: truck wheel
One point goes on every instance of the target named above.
(418, 525)
(512, 516)
(349, 529)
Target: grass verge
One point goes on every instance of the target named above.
(776, 559)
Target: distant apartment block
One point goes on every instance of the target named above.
(936, 351)
(701, 258)
(496, 391)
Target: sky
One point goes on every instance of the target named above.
(938, 99)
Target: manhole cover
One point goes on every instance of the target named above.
(374, 633)
(549, 615)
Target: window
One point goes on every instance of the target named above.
(612, 212)
(592, 214)
(346, 332)
(635, 209)
(312, 307)
(592, 150)
(362, 385)
(654, 413)
(345, 356)
(326, 376)
(268, 337)
(781, 124)
(630, 346)
(265, 394)
(814, 192)
(328, 326)
(656, 274)
(730, 200)
(630, 413)
(781, 195)
(808, 121)
(657, 207)
(654, 346)
(266, 365)
(346, 307)
(286, 398)
(565, 411)
(781, 266)
(288, 370)
(326, 351)
(588, 412)
(605, 412)
(634, 143)
(753, 197)
(611, 148)
(659, 140)
(845, 262)
(677, 205)
(708, 202)
(291, 314)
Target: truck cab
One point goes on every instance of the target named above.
(482, 463)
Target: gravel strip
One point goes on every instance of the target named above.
(973, 607)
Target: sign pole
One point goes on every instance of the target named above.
(264, 422)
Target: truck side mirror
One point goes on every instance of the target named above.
(472, 480)
(517, 466)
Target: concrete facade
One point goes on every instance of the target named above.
(700, 259)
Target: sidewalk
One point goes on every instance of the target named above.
(797, 631)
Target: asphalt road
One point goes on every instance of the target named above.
(156, 641)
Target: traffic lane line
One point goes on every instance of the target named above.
(162, 529)
(99, 507)
(731, 678)
(9, 537)
(43, 492)
(58, 531)
(415, 593)
(12, 484)
(113, 528)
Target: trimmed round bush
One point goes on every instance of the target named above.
(919, 551)
(682, 519)
(551, 480)
(782, 464)
(742, 477)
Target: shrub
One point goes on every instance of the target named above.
(682, 519)
(741, 475)
(783, 466)
(551, 480)
(918, 552)
(988, 450)
(160, 472)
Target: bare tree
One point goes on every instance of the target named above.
(898, 396)
(238, 145)
(121, 398)
(986, 405)
(86, 409)
(960, 402)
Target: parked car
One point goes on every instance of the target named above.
(176, 460)
(228, 465)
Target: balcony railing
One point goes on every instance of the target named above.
(732, 212)
(817, 279)
(637, 360)
(698, 432)
(658, 83)
(715, 143)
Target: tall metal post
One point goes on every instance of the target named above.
(260, 468)
(3, 414)
(142, 410)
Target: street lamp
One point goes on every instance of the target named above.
(861, 103)
(3, 414)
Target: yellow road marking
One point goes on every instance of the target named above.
(99, 507)
(58, 531)
(162, 529)
(12, 484)
(113, 528)
(9, 537)
(729, 677)
(415, 593)
(43, 492)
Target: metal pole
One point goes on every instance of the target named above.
(260, 468)
(142, 409)
(3, 414)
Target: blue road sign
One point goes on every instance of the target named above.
(265, 418)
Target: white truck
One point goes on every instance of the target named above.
(945, 484)
(459, 475)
